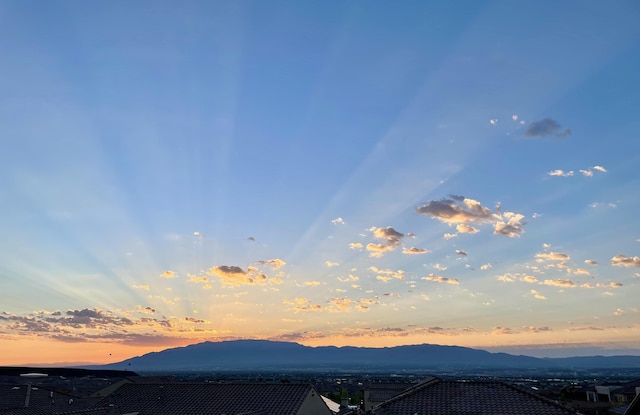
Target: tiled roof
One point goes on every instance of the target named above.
(380, 392)
(441, 397)
(27, 399)
(211, 398)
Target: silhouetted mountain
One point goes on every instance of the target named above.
(271, 355)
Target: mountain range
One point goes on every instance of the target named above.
(262, 355)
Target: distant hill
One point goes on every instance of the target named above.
(271, 355)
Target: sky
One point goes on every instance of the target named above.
(364, 173)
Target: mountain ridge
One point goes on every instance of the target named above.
(271, 355)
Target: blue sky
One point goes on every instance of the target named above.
(359, 172)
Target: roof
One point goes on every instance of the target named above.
(634, 407)
(29, 399)
(380, 392)
(210, 398)
(443, 397)
(333, 406)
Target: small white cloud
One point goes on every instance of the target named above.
(450, 235)
(586, 173)
(560, 173)
(600, 169)
(485, 267)
(461, 252)
(493, 121)
(619, 312)
(590, 262)
(338, 221)
(514, 117)
(355, 245)
(331, 264)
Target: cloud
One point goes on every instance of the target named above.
(450, 235)
(194, 320)
(590, 262)
(337, 221)
(355, 245)
(168, 274)
(141, 287)
(331, 264)
(455, 210)
(506, 278)
(537, 295)
(586, 173)
(301, 304)
(438, 278)
(414, 251)
(311, 283)
(387, 274)
(625, 261)
(350, 278)
(578, 271)
(619, 312)
(560, 283)
(546, 127)
(464, 228)
(529, 278)
(440, 267)
(503, 330)
(461, 252)
(601, 285)
(600, 169)
(391, 237)
(461, 211)
(552, 256)
(340, 304)
(493, 121)
(145, 310)
(197, 279)
(235, 276)
(485, 267)
(510, 225)
(276, 263)
(560, 173)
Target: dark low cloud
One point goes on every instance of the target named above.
(545, 128)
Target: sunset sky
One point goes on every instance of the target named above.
(365, 173)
